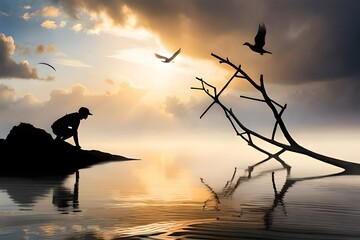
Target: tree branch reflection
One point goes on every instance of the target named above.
(234, 182)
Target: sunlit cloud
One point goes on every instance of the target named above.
(62, 24)
(70, 62)
(40, 49)
(77, 27)
(50, 78)
(28, 100)
(7, 96)
(11, 69)
(26, 16)
(51, 48)
(109, 81)
(28, 49)
(49, 24)
(50, 11)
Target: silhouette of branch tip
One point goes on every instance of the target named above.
(196, 88)
(240, 76)
(254, 99)
(261, 80)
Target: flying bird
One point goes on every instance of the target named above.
(166, 59)
(47, 65)
(259, 41)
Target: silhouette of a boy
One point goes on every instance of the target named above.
(67, 126)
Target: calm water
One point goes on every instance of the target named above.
(189, 191)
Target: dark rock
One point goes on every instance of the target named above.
(32, 151)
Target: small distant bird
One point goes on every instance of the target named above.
(259, 41)
(47, 65)
(166, 59)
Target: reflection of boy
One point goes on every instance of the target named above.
(67, 126)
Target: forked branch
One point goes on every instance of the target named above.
(277, 110)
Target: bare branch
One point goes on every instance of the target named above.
(291, 144)
(231, 122)
(276, 123)
(255, 99)
(196, 88)
(216, 96)
(262, 81)
(207, 109)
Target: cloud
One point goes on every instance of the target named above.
(77, 27)
(49, 24)
(50, 78)
(23, 50)
(26, 16)
(50, 11)
(175, 107)
(71, 62)
(40, 49)
(123, 112)
(62, 24)
(109, 81)
(300, 35)
(9, 68)
(7, 96)
(127, 112)
(28, 49)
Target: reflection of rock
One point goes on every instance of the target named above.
(32, 151)
(27, 191)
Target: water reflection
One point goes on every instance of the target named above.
(215, 199)
(161, 197)
(65, 199)
(27, 191)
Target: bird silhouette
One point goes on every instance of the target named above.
(47, 65)
(166, 59)
(259, 41)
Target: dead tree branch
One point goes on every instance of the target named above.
(277, 110)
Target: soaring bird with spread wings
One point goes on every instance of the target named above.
(166, 59)
(259, 41)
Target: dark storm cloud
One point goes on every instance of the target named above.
(9, 68)
(320, 42)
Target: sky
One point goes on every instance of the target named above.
(104, 56)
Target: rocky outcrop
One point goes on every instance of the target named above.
(28, 150)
